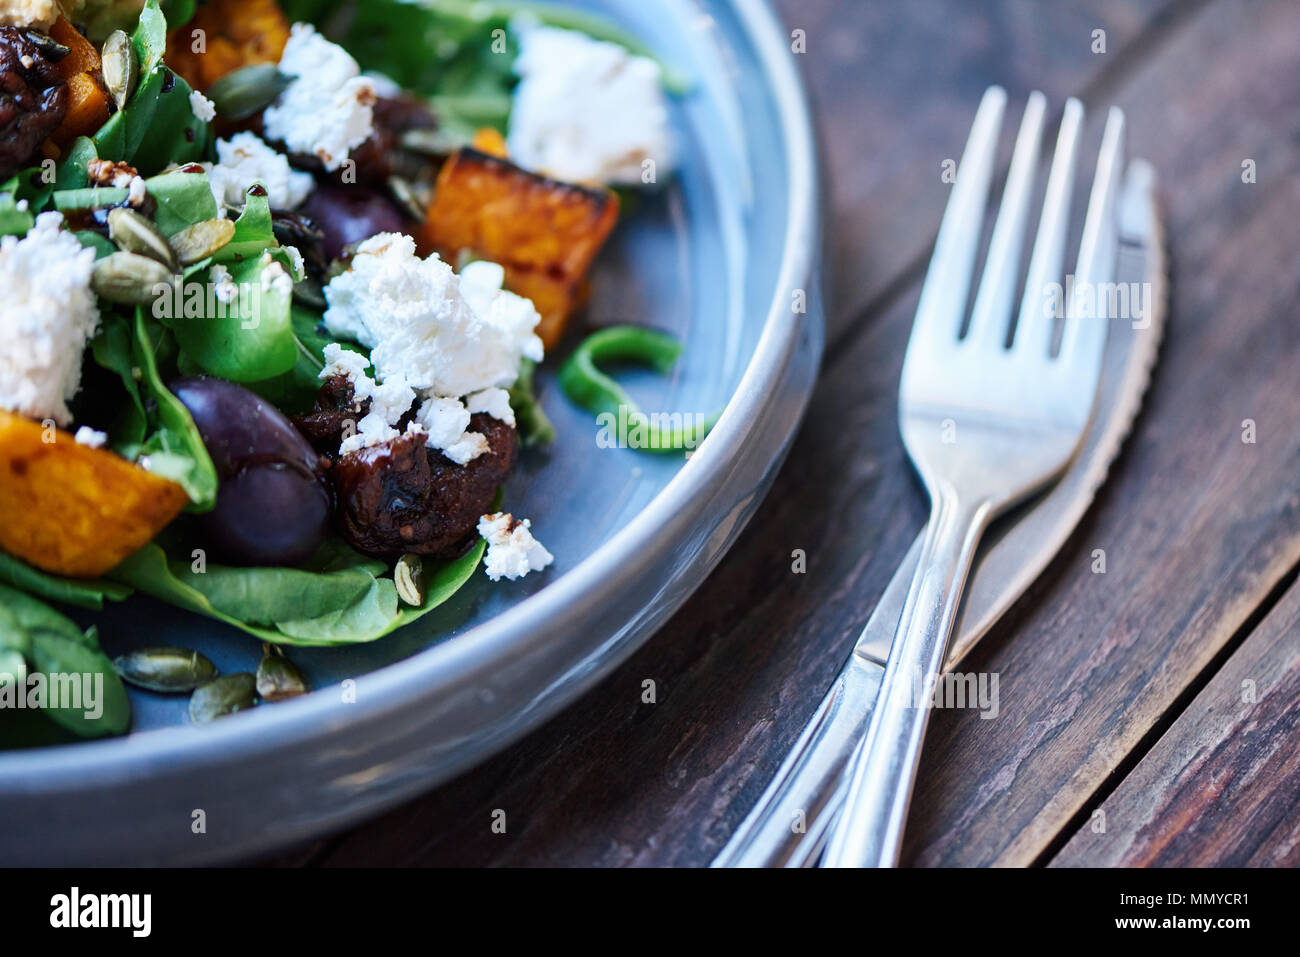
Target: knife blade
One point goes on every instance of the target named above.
(788, 825)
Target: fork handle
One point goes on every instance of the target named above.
(869, 830)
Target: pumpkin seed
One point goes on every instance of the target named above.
(121, 67)
(408, 576)
(225, 695)
(135, 234)
(248, 90)
(169, 670)
(404, 193)
(429, 142)
(201, 240)
(129, 278)
(277, 677)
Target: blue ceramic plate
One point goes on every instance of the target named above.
(717, 259)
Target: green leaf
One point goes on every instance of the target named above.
(27, 186)
(295, 391)
(339, 598)
(158, 126)
(175, 447)
(87, 594)
(534, 426)
(248, 339)
(52, 645)
(183, 199)
(254, 231)
(73, 171)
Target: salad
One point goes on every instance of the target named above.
(274, 279)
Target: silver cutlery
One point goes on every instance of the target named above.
(787, 826)
(985, 424)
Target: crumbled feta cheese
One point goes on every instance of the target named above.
(136, 191)
(29, 13)
(446, 420)
(389, 401)
(495, 402)
(204, 110)
(423, 325)
(47, 315)
(328, 109)
(352, 366)
(275, 279)
(92, 438)
(21, 205)
(586, 110)
(296, 262)
(512, 551)
(223, 284)
(244, 160)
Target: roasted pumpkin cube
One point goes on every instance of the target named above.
(545, 233)
(71, 509)
(88, 101)
(236, 33)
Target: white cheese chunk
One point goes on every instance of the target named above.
(47, 315)
(512, 551)
(244, 160)
(389, 401)
(204, 110)
(587, 111)
(446, 420)
(421, 324)
(29, 13)
(328, 109)
(91, 438)
(495, 402)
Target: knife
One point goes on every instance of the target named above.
(788, 825)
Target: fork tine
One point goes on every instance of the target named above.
(947, 282)
(992, 310)
(1034, 325)
(1085, 329)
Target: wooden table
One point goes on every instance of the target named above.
(1159, 697)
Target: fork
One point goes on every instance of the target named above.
(985, 424)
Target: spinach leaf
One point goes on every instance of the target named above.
(183, 199)
(87, 594)
(74, 170)
(175, 448)
(336, 599)
(157, 126)
(295, 391)
(53, 646)
(28, 187)
(535, 427)
(248, 339)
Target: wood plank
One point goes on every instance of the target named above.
(1197, 528)
(896, 86)
(1220, 787)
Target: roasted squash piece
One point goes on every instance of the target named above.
(71, 509)
(544, 232)
(88, 101)
(236, 33)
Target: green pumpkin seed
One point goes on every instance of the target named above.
(201, 240)
(408, 576)
(277, 677)
(407, 198)
(121, 67)
(169, 670)
(225, 695)
(130, 278)
(247, 91)
(135, 234)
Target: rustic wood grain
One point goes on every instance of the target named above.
(1221, 787)
(896, 86)
(1198, 527)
